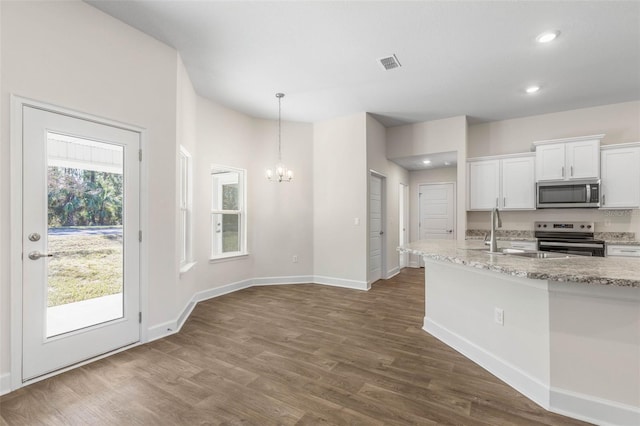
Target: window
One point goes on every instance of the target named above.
(228, 215)
(185, 210)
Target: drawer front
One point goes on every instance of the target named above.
(628, 251)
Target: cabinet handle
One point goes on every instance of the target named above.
(604, 199)
(562, 171)
(627, 251)
(571, 171)
(504, 201)
(497, 201)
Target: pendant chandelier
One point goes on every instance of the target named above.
(280, 173)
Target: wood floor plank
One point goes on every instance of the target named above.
(293, 355)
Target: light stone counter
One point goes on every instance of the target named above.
(618, 271)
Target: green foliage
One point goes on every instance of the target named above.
(80, 197)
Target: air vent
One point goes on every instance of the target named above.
(389, 62)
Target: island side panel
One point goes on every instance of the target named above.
(595, 350)
(460, 305)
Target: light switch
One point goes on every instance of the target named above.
(356, 221)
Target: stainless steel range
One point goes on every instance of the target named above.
(568, 237)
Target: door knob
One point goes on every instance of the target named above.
(35, 255)
(381, 232)
(34, 237)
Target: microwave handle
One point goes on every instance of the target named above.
(588, 193)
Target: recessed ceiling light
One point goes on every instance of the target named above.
(427, 161)
(547, 36)
(446, 163)
(532, 89)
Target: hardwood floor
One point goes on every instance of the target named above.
(292, 354)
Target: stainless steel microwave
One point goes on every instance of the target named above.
(568, 194)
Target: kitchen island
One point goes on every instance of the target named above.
(565, 332)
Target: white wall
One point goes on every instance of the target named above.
(281, 213)
(339, 197)
(620, 123)
(186, 136)
(72, 55)
(433, 137)
(394, 176)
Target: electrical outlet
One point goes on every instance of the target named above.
(498, 316)
(295, 258)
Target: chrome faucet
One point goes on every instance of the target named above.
(493, 242)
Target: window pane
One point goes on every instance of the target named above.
(226, 235)
(226, 190)
(230, 240)
(230, 197)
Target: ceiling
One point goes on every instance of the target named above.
(431, 161)
(470, 58)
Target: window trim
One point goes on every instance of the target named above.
(185, 206)
(241, 212)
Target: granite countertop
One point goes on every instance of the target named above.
(616, 271)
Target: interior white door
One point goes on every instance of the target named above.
(376, 231)
(437, 212)
(81, 219)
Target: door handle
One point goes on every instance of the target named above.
(450, 231)
(381, 232)
(35, 255)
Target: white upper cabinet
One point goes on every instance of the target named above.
(620, 184)
(518, 183)
(506, 182)
(484, 184)
(568, 159)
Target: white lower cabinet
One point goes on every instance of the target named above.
(506, 182)
(620, 183)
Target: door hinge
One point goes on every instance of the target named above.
(140, 236)
(139, 155)
(139, 317)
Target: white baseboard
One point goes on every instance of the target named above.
(5, 383)
(529, 386)
(393, 272)
(219, 291)
(578, 406)
(414, 264)
(341, 282)
(593, 410)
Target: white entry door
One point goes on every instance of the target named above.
(437, 211)
(376, 228)
(81, 219)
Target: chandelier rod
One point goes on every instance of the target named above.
(279, 96)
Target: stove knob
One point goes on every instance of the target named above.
(582, 226)
(589, 226)
(544, 226)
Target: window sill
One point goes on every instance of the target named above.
(228, 258)
(186, 267)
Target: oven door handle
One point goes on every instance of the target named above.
(587, 245)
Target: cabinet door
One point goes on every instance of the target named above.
(620, 185)
(583, 160)
(550, 162)
(484, 184)
(518, 183)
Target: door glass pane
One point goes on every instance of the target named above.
(85, 233)
(226, 239)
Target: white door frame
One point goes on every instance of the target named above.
(403, 222)
(383, 226)
(16, 272)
